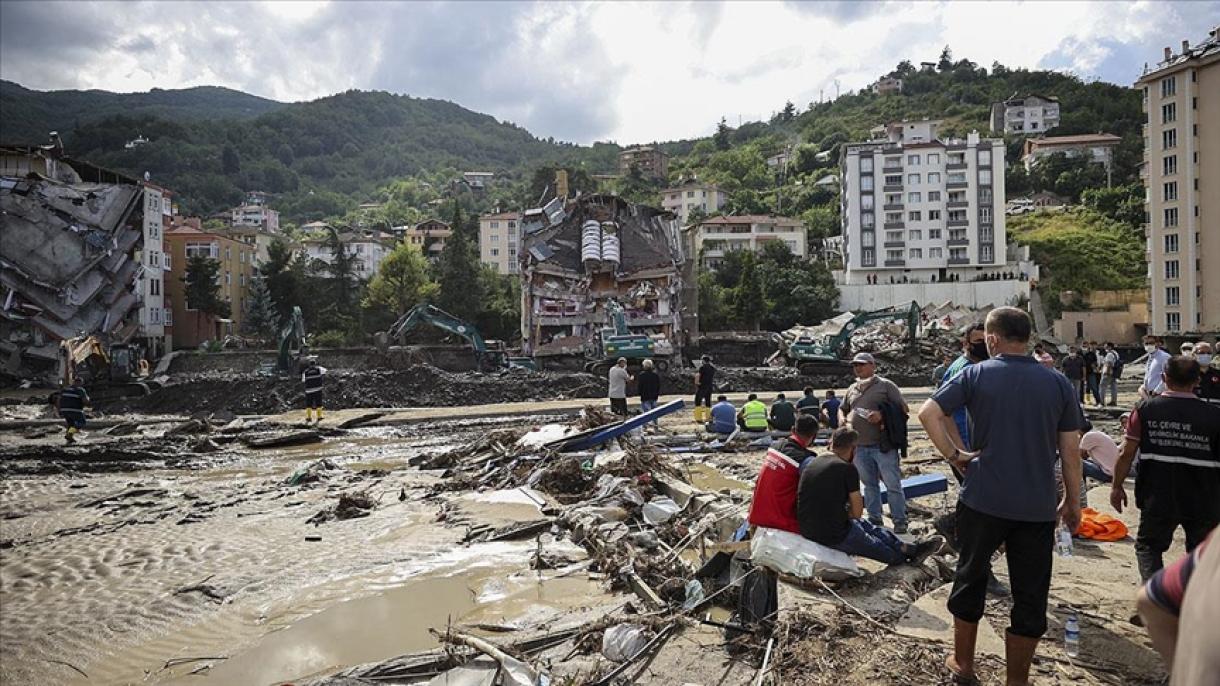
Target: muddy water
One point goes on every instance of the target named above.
(98, 586)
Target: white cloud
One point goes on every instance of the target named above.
(631, 72)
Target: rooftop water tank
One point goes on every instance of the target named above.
(610, 243)
(591, 243)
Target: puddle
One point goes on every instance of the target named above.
(711, 479)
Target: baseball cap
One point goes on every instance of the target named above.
(863, 358)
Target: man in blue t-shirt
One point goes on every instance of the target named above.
(974, 350)
(830, 410)
(1023, 417)
(724, 417)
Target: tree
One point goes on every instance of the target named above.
(713, 310)
(457, 270)
(230, 162)
(402, 281)
(903, 70)
(946, 60)
(748, 301)
(788, 113)
(1121, 203)
(202, 288)
(722, 137)
(284, 276)
(260, 320)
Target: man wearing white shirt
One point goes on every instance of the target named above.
(1099, 453)
(1157, 357)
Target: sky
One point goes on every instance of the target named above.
(581, 72)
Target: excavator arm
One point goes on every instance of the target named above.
(292, 335)
(428, 314)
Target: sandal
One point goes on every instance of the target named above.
(959, 679)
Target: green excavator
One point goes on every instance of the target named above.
(489, 355)
(829, 354)
(618, 341)
(292, 344)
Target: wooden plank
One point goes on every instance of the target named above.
(644, 591)
(609, 433)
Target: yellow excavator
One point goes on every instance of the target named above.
(117, 371)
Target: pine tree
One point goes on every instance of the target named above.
(342, 272)
(261, 319)
(946, 59)
(748, 303)
(721, 138)
(202, 289)
(457, 272)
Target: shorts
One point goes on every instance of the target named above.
(74, 420)
(313, 399)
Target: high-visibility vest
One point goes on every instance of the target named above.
(754, 413)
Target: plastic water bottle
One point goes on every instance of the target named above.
(1063, 541)
(1071, 636)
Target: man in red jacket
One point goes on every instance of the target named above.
(774, 503)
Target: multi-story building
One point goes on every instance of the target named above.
(367, 249)
(917, 208)
(1181, 173)
(1028, 114)
(499, 240)
(887, 85)
(258, 216)
(714, 238)
(651, 161)
(1095, 147)
(430, 235)
(682, 200)
(155, 315)
(186, 239)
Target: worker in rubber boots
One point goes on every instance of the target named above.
(311, 377)
(71, 405)
(753, 415)
(703, 390)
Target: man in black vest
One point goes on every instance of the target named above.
(1178, 484)
(311, 377)
(71, 404)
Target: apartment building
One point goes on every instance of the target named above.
(1094, 147)
(887, 85)
(714, 238)
(652, 162)
(1028, 114)
(499, 240)
(1181, 173)
(253, 212)
(430, 235)
(688, 197)
(154, 312)
(918, 208)
(367, 250)
(186, 240)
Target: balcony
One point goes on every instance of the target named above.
(957, 203)
(892, 187)
(959, 260)
(958, 222)
(895, 263)
(892, 206)
(953, 185)
(894, 225)
(955, 166)
(892, 169)
(958, 241)
(895, 244)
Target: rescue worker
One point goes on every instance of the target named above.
(783, 414)
(71, 404)
(311, 377)
(775, 490)
(753, 415)
(703, 390)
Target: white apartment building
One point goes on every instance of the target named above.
(368, 251)
(1030, 114)
(1181, 175)
(681, 200)
(918, 209)
(154, 313)
(714, 238)
(258, 216)
(499, 241)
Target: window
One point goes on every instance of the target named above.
(154, 287)
(241, 256)
(202, 250)
(512, 252)
(1169, 86)
(1169, 112)
(933, 215)
(985, 177)
(985, 214)
(1171, 295)
(866, 219)
(984, 196)
(1171, 216)
(893, 198)
(168, 317)
(957, 215)
(1173, 321)
(986, 234)
(242, 279)
(1170, 190)
(1169, 165)
(933, 196)
(984, 158)
(893, 217)
(957, 254)
(936, 253)
(690, 194)
(866, 202)
(893, 255)
(914, 215)
(512, 224)
(165, 261)
(913, 179)
(494, 238)
(985, 253)
(893, 236)
(933, 178)
(957, 235)
(913, 160)
(1171, 242)
(228, 252)
(1171, 269)
(915, 235)
(1169, 139)
(866, 164)
(916, 253)
(868, 239)
(866, 183)
(893, 180)
(495, 252)
(934, 234)
(914, 197)
(893, 161)
(957, 177)
(933, 158)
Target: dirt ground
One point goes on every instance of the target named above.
(191, 558)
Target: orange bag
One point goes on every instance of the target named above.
(1100, 527)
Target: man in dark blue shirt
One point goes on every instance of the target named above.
(830, 409)
(1023, 418)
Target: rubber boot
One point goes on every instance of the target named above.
(319, 415)
(698, 412)
(308, 415)
(70, 434)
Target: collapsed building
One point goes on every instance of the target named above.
(577, 256)
(70, 235)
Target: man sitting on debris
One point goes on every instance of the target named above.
(829, 508)
(724, 417)
(311, 377)
(808, 404)
(830, 410)
(753, 415)
(774, 502)
(1099, 454)
(71, 403)
(618, 387)
(783, 414)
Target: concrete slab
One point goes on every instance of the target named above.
(929, 618)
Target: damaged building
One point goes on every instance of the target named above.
(71, 236)
(579, 256)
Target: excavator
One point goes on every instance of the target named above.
(618, 341)
(292, 338)
(489, 355)
(829, 354)
(110, 372)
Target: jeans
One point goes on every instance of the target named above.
(1078, 384)
(1092, 470)
(1094, 387)
(872, 541)
(703, 396)
(876, 467)
(1157, 524)
(646, 405)
(1108, 383)
(1029, 552)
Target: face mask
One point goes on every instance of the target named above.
(978, 350)
(1204, 359)
(1149, 348)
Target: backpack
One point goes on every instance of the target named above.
(1118, 368)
